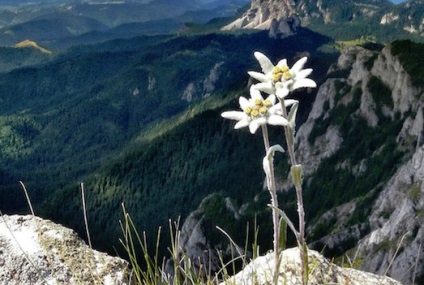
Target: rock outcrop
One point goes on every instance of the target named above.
(193, 239)
(261, 15)
(37, 251)
(404, 17)
(395, 243)
(259, 271)
(203, 88)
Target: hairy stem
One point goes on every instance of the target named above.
(274, 202)
(289, 134)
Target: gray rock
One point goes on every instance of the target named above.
(397, 233)
(283, 28)
(261, 14)
(310, 156)
(194, 244)
(210, 82)
(321, 271)
(203, 89)
(37, 251)
(389, 69)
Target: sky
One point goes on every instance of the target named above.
(49, 1)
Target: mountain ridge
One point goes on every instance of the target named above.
(379, 19)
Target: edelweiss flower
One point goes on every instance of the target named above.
(257, 112)
(280, 79)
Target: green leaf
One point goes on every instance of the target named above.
(296, 172)
(292, 116)
(283, 234)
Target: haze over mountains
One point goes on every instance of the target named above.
(58, 24)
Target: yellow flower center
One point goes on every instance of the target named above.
(279, 73)
(258, 108)
(254, 113)
(287, 75)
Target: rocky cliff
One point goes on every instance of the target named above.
(383, 227)
(261, 14)
(405, 18)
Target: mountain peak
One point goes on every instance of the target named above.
(261, 14)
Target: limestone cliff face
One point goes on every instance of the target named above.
(261, 14)
(357, 60)
(203, 88)
(407, 17)
(389, 238)
(194, 238)
(394, 244)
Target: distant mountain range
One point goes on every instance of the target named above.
(58, 25)
(378, 20)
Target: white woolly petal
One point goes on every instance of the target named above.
(282, 63)
(272, 99)
(282, 92)
(303, 73)
(305, 82)
(258, 76)
(264, 61)
(261, 121)
(253, 126)
(299, 65)
(284, 84)
(244, 103)
(234, 115)
(276, 110)
(266, 87)
(255, 93)
(241, 124)
(277, 121)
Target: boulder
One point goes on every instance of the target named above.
(321, 271)
(38, 251)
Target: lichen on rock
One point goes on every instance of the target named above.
(321, 271)
(38, 251)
